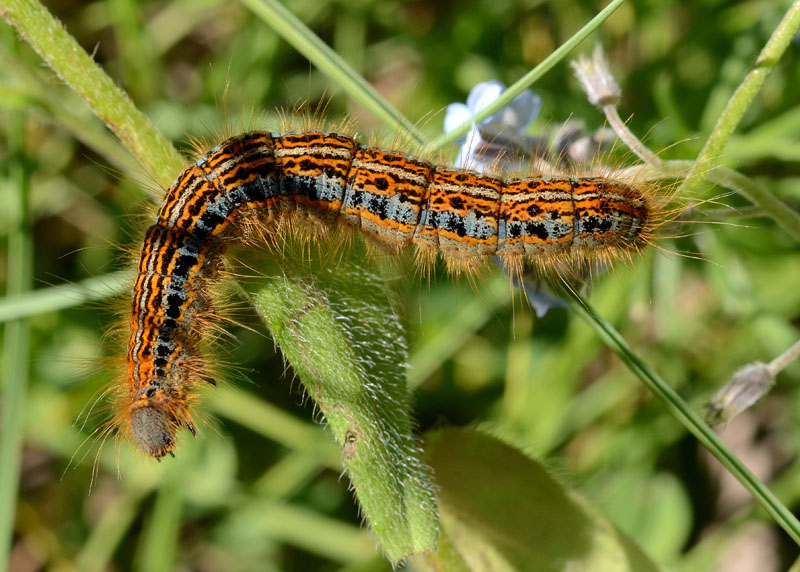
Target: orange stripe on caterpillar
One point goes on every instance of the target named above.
(396, 199)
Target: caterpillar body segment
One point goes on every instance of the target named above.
(330, 178)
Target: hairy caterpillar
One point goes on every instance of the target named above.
(395, 199)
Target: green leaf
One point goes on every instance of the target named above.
(501, 511)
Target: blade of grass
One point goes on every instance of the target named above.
(529, 78)
(33, 302)
(16, 342)
(332, 65)
(683, 412)
(293, 472)
(75, 67)
(429, 355)
(273, 423)
(141, 70)
(96, 553)
(311, 531)
(158, 545)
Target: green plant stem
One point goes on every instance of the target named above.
(336, 325)
(759, 195)
(529, 78)
(332, 65)
(16, 342)
(770, 205)
(782, 361)
(742, 98)
(632, 141)
(681, 410)
(76, 68)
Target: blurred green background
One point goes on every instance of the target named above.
(261, 488)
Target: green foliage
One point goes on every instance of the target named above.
(516, 518)
(260, 488)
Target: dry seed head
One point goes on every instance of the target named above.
(596, 79)
(749, 384)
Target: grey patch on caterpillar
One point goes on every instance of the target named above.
(151, 431)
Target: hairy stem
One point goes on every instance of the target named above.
(337, 327)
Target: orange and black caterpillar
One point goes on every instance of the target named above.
(396, 199)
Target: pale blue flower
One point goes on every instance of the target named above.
(540, 298)
(498, 133)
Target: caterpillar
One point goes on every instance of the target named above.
(395, 199)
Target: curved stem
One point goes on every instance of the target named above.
(741, 99)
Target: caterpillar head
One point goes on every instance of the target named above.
(154, 417)
(152, 431)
